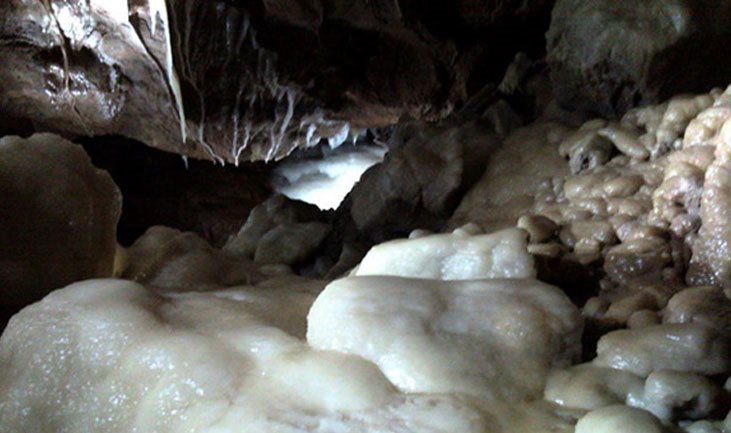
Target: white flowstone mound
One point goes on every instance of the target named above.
(374, 353)
(325, 182)
(110, 356)
(58, 217)
(685, 347)
(464, 254)
(619, 419)
(494, 339)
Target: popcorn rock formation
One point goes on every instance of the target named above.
(646, 197)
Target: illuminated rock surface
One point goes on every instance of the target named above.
(448, 331)
(112, 356)
(326, 181)
(494, 339)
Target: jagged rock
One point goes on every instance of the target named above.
(421, 179)
(607, 56)
(264, 236)
(234, 80)
(169, 259)
(513, 175)
(290, 244)
(58, 217)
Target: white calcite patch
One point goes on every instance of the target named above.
(493, 339)
(326, 182)
(589, 387)
(619, 419)
(110, 356)
(460, 255)
(683, 347)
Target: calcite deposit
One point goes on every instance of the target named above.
(517, 266)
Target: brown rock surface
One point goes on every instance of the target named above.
(58, 218)
(608, 56)
(234, 81)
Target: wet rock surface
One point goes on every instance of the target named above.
(269, 314)
(421, 179)
(266, 222)
(235, 81)
(407, 322)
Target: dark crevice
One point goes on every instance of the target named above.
(158, 189)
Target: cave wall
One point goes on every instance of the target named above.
(231, 81)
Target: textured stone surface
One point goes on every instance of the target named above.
(607, 56)
(513, 175)
(234, 80)
(711, 262)
(422, 178)
(169, 259)
(58, 217)
(276, 212)
(290, 244)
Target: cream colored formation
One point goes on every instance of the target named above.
(366, 354)
(648, 200)
(442, 333)
(648, 195)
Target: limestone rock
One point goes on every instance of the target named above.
(686, 347)
(275, 211)
(514, 173)
(618, 418)
(58, 217)
(290, 244)
(711, 261)
(169, 259)
(231, 81)
(607, 57)
(421, 179)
